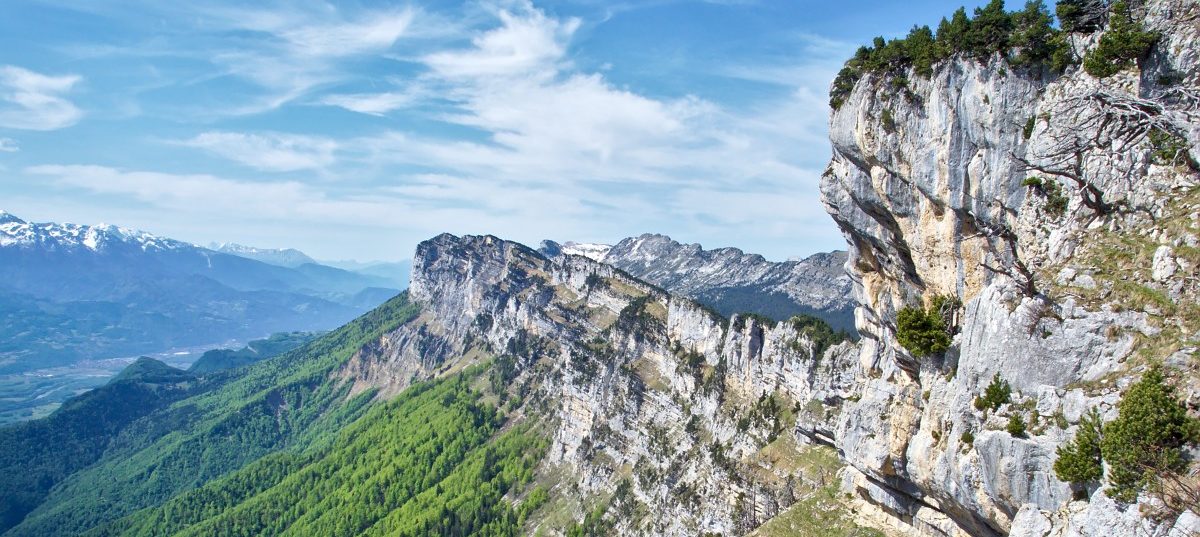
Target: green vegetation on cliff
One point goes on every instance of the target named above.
(1026, 38)
(1124, 42)
(1143, 447)
(433, 461)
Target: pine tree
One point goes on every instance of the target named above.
(1147, 437)
(1080, 461)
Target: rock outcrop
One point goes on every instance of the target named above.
(1069, 289)
(634, 385)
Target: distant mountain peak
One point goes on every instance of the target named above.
(590, 250)
(729, 279)
(284, 257)
(9, 218)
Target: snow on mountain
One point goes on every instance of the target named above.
(15, 232)
(284, 257)
(593, 251)
(729, 279)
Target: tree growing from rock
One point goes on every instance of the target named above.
(1143, 447)
(1147, 438)
(1081, 461)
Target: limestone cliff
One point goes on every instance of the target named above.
(1071, 281)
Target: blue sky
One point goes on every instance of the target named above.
(357, 129)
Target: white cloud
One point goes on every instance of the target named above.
(376, 104)
(428, 205)
(526, 44)
(275, 152)
(191, 193)
(34, 101)
(548, 147)
(372, 32)
(8, 145)
(297, 51)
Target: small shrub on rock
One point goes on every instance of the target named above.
(1016, 426)
(921, 332)
(997, 393)
(1146, 440)
(1080, 460)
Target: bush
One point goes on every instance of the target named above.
(1016, 426)
(1033, 34)
(1080, 461)
(921, 332)
(1056, 201)
(1122, 44)
(889, 123)
(967, 438)
(1147, 438)
(997, 393)
(1169, 149)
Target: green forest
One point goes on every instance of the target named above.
(174, 433)
(431, 461)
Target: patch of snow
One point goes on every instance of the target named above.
(593, 251)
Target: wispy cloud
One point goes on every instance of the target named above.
(276, 152)
(495, 121)
(34, 101)
(376, 104)
(8, 145)
(289, 53)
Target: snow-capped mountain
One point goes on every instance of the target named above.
(15, 232)
(730, 280)
(70, 292)
(284, 257)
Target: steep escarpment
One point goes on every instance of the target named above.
(1060, 211)
(653, 404)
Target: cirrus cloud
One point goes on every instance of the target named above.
(34, 101)
(272, 151)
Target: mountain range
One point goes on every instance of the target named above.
(730, 280)
(74, 292)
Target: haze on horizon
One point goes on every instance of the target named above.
(355, 130)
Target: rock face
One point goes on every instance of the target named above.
(730, 280)
(1068, 306)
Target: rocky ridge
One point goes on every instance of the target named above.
(730, 280)
(635, 386)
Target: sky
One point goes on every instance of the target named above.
(354, 130)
